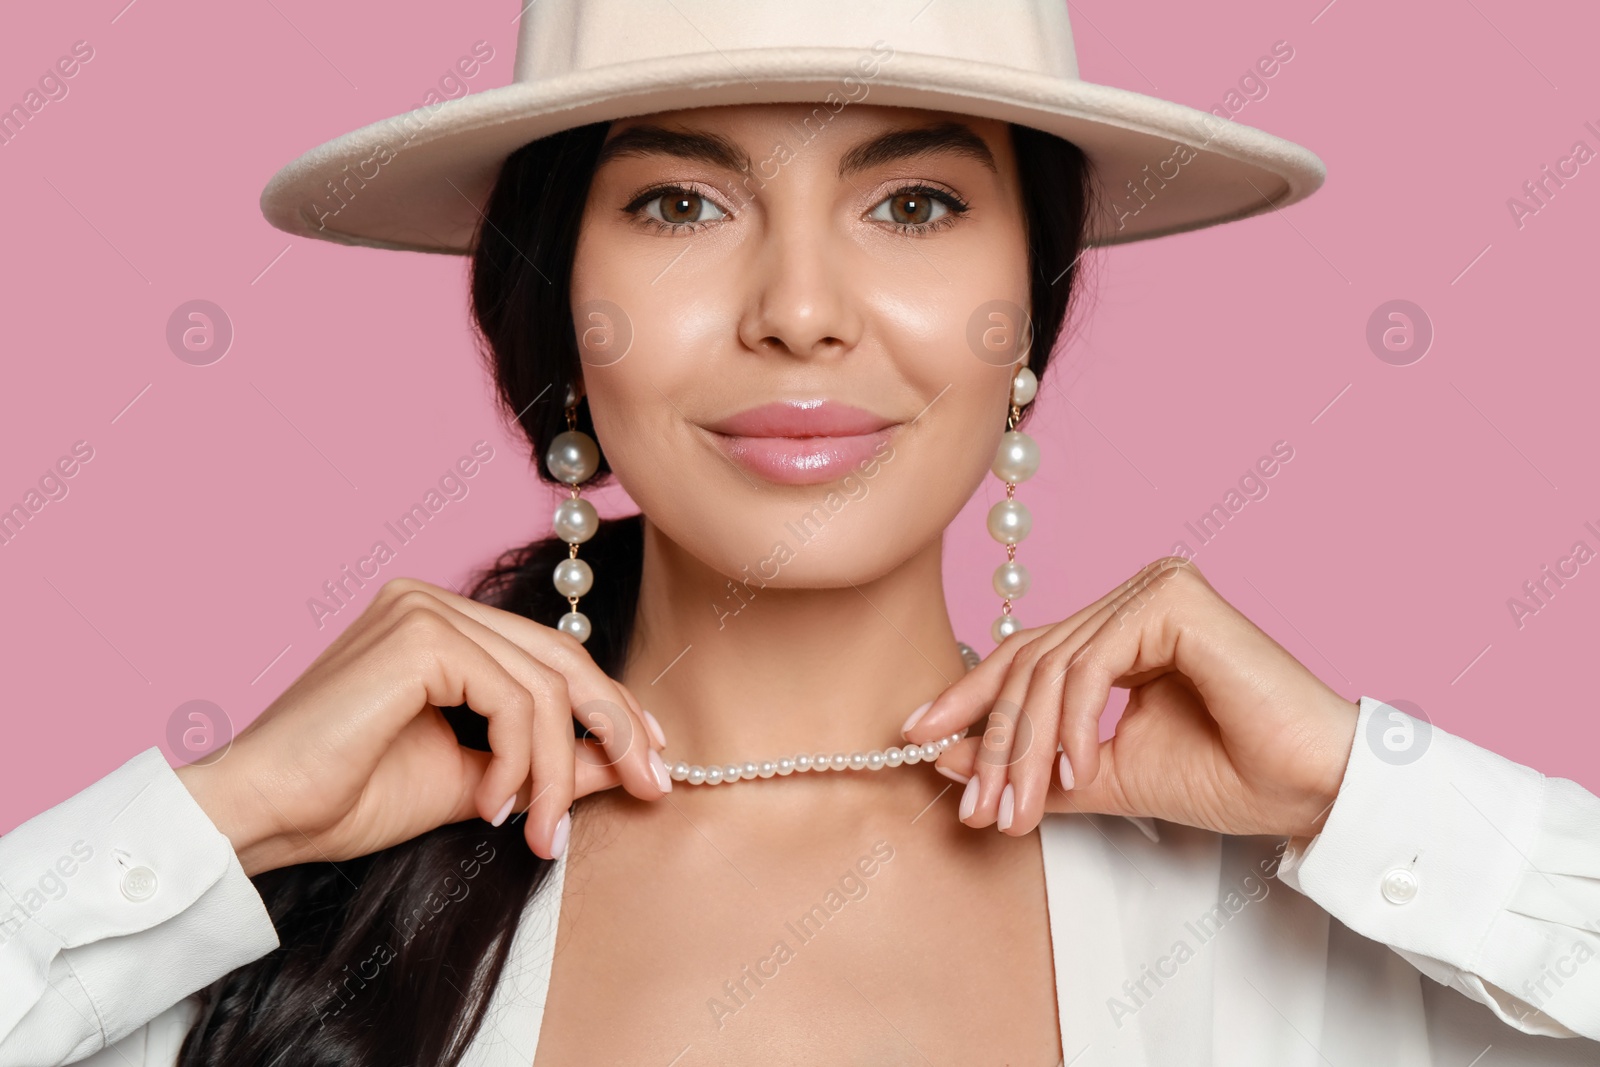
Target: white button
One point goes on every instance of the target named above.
(1399, 885)
(139, 884)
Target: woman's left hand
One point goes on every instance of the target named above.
(1224, 729)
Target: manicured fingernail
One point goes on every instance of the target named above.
(1008, 801)
(915, 715)
(1066, 772)
(954, 776)
(504, 811)
(659, 767)
(655, 728)
(558, 842)
(969, 800)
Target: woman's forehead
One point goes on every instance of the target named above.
(733, 114)
(863, 135)
(763, 120)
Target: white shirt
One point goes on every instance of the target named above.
(1172, 945)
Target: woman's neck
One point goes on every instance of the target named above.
(743, 671)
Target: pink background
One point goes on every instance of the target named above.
(219, 498)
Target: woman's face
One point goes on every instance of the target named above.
(793, 351)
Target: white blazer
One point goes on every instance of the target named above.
(1173, 945)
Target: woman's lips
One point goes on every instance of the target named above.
(802, 442)
(801, 460)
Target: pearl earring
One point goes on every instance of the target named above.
(1009, 520)
(573, 457)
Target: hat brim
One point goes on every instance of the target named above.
(419, 181)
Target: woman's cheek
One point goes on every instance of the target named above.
(621, 423)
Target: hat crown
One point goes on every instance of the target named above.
(565, 37)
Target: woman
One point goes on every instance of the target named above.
(801, 365)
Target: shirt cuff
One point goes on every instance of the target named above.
(114, 905)
(1482, 872)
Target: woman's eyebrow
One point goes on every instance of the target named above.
(956, 138)
(647, 139)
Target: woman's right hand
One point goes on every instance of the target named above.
(356, 756)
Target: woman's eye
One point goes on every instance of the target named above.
(918, 209)
(680, 207)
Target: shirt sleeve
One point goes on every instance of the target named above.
(155, 1044)
(1482, 873)
(116, 905)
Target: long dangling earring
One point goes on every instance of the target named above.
(573, 457)
(1009, 521)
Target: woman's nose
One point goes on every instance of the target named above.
(800, 296)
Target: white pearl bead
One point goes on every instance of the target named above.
(875, 760)
(802, 762)
(767, 769)
(680, 771)
(750, 770)
(1024, 387)
(913, 753)
(1017, 458)
(576, 520)
(1010, 521)
(841, 761)
(697, 775)
(893, 757)
(822, 762)
(1011, 579)
(858, 761)
(573, 577)
(1004, 627)
(572, 457)
(713, 774)
(930, 752)
(575, 623)
(785, 767)
(732, 772)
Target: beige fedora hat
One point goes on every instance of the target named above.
(418, 181)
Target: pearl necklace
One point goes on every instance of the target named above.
(875, 760)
